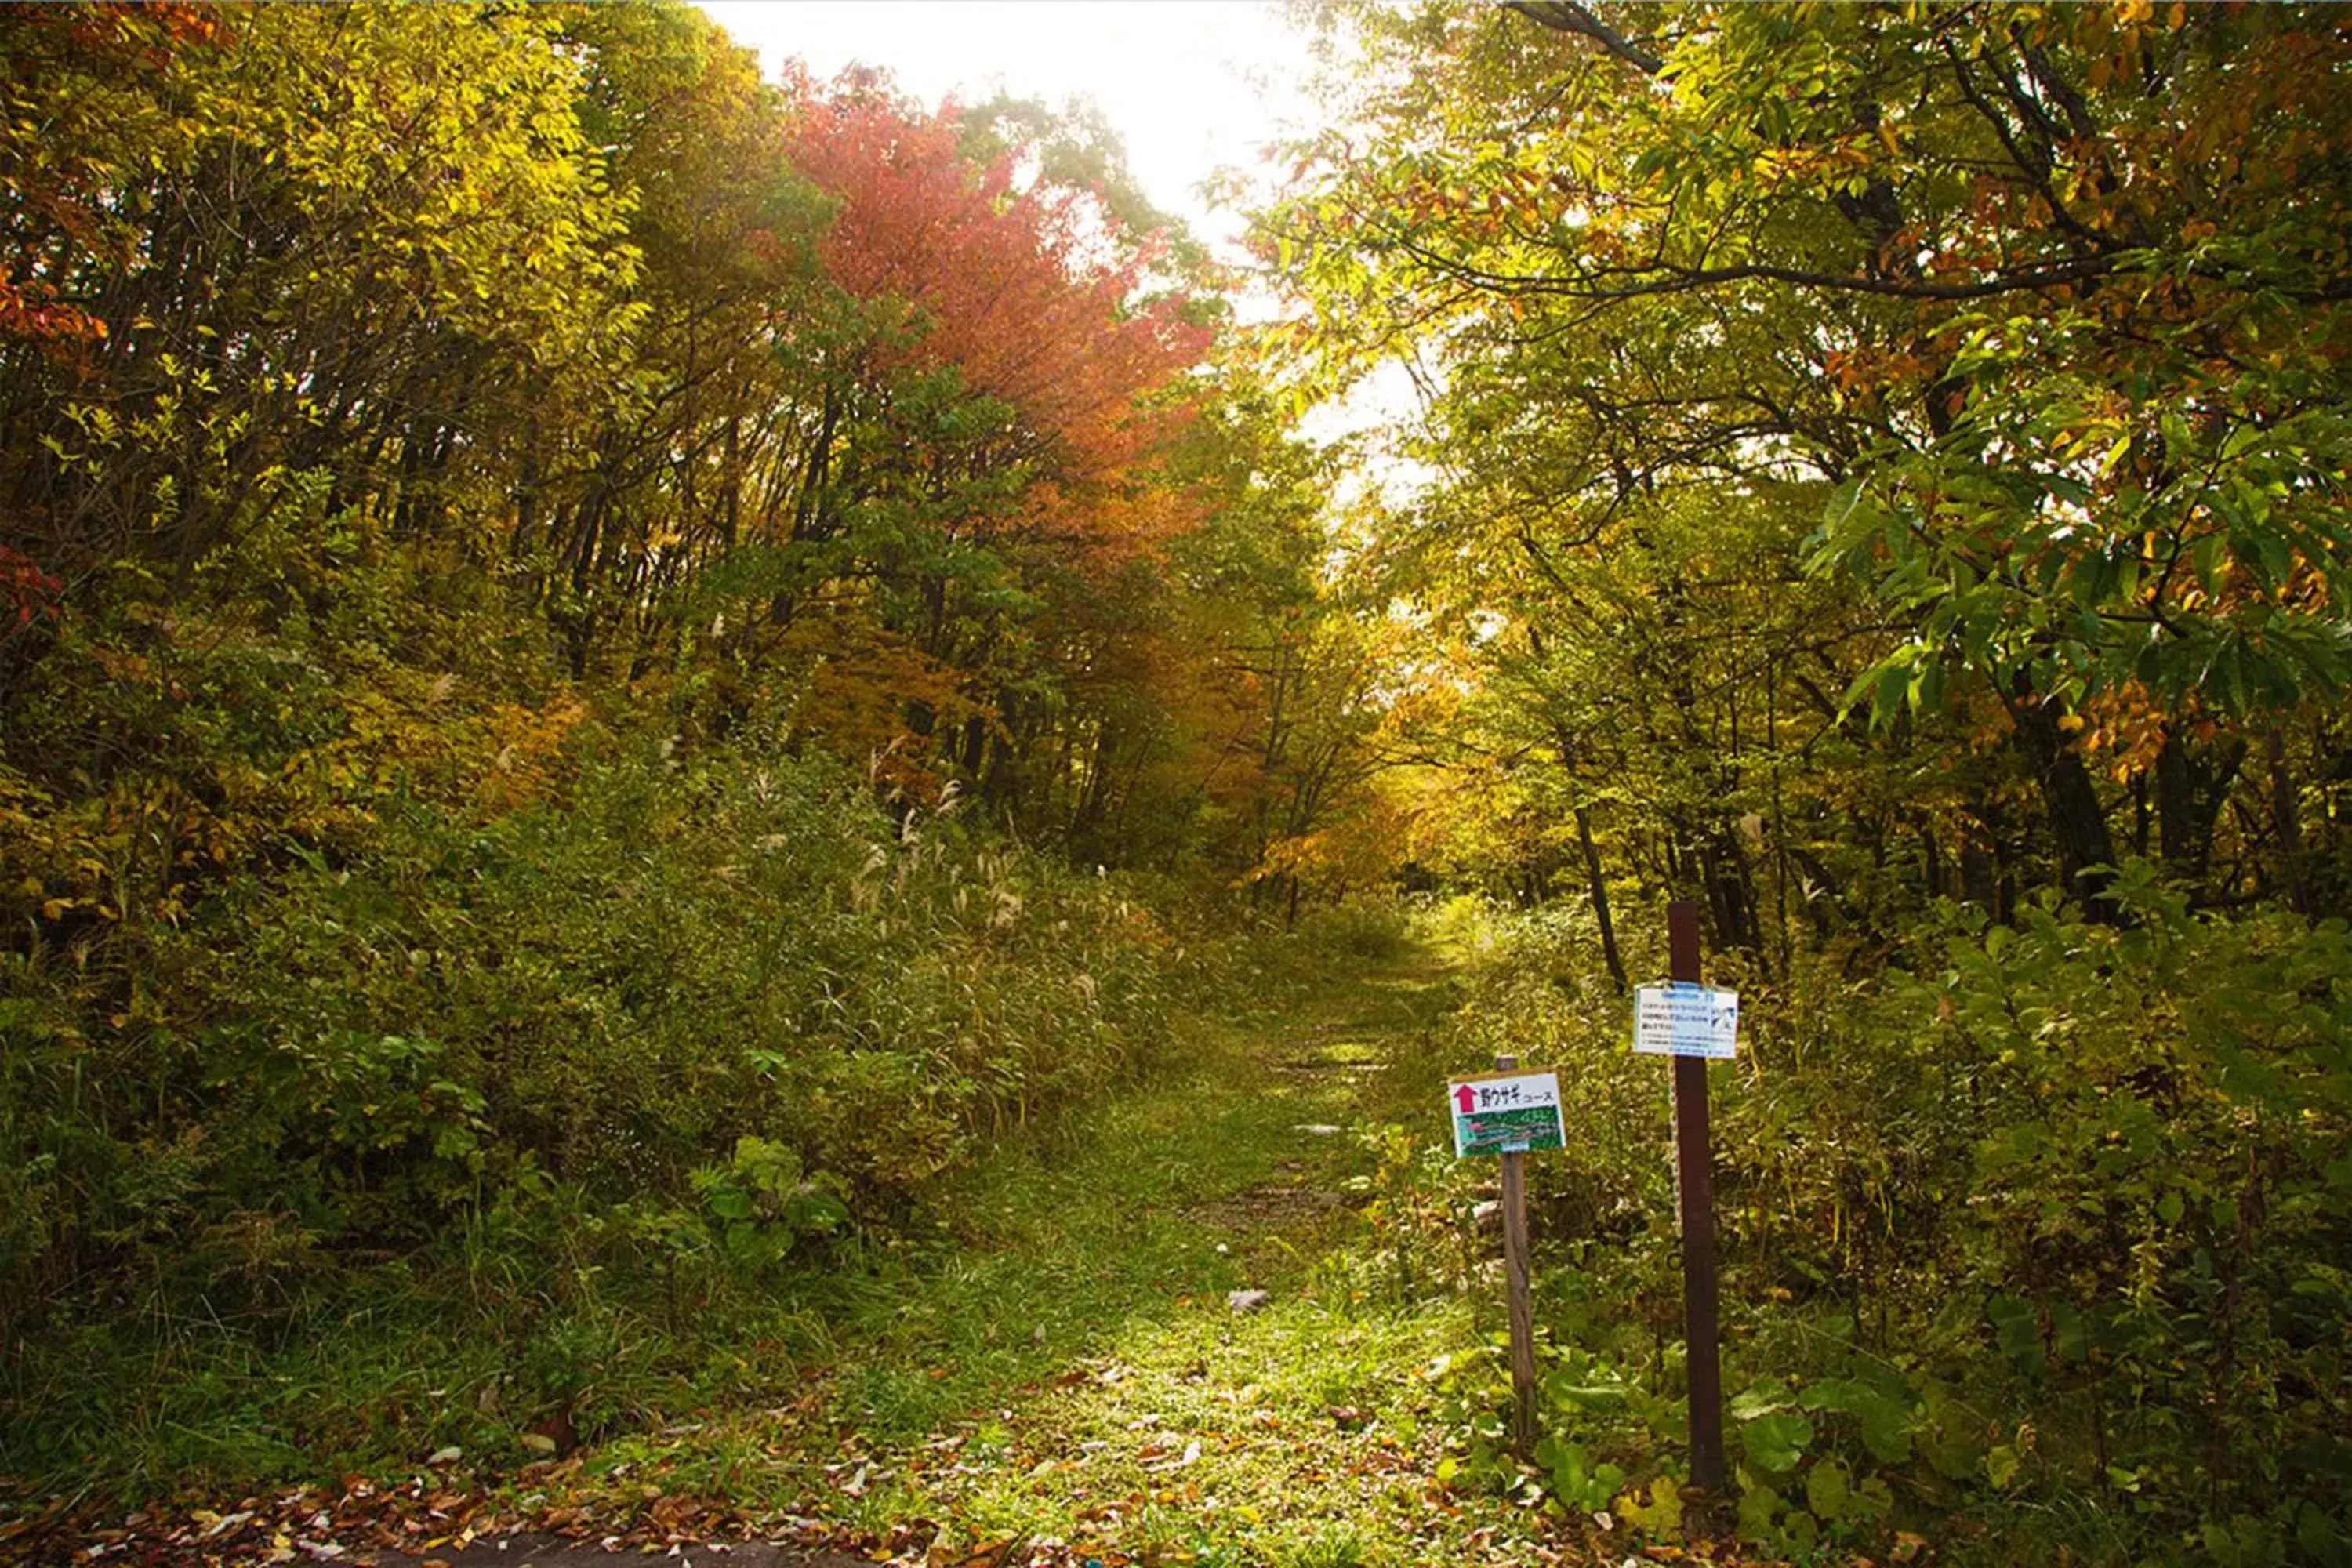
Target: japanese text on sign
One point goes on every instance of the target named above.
(1681, 1018)
(1506, 1113)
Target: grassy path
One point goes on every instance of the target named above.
(1063, 1373)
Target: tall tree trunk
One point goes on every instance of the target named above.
(2286, 820)
(2078, 824)
(1598, 886)
(2191, 790)
(1976, 874)
(1730, 892)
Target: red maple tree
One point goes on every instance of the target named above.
(1028, 290)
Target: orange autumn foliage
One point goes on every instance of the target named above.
(1028, 292)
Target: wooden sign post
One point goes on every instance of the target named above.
(1508, 1113)
(1515, 1276)
(1693, 1023)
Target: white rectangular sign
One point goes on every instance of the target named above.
(1506, 1113)
(1683, 1018)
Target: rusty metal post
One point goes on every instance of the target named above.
(1695, 1214)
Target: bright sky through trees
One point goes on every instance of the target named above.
(1191, 85)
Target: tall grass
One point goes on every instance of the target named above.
(482, 1121)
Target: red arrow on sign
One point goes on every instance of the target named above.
(1466, 1097)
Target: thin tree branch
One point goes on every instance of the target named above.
(1568, 16)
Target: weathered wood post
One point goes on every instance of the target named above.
(1695, 1213)
(1522, 1301)
(1509, 1112)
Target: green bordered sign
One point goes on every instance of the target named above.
(1506, 1113)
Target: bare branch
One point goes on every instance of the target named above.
(1568, 16)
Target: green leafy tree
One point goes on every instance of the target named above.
(1971, 273)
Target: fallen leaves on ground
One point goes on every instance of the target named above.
(361, 1520)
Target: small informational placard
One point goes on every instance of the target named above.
(1683, 1018)
(1506, 1113)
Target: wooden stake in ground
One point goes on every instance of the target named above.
(1510, 1112)
(1523, 1311)
(1695, 1214)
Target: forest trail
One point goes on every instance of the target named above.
(1159, 1332)
(1167, 1329)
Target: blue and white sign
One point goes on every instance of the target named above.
(1684, 1018)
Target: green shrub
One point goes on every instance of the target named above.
(2045, 1221)
(1364, 930)
(611, 1034)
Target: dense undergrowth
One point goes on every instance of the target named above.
(543, 1108)
(562, 686)
(377, 1037)
(2036, 1236)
